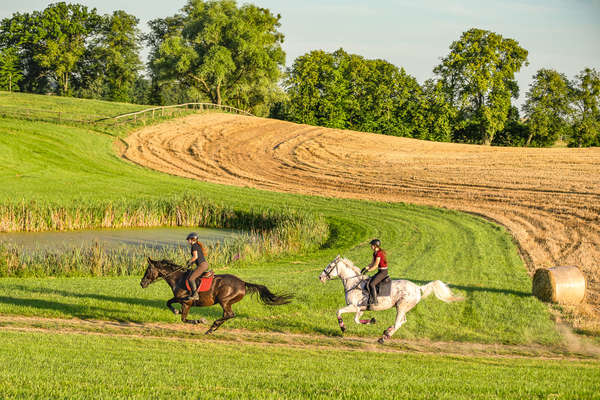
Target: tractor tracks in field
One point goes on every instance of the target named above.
(236, 337)
(548, 199)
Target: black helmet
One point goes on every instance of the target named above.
(376, 243)
(192, 235)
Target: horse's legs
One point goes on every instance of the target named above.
(169, 304)
(185, 308)
(357, 319)
(227, 314)
(347, 309)
(401, 310)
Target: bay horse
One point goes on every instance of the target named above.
(404, 295)
(225, 290)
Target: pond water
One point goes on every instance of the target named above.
(152, 238)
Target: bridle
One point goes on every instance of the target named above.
(165, 276)
(335, 266)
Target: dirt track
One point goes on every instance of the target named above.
(182, 332)
(548, 198)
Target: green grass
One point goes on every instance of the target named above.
(70, 107)
(58, 164)
(41, 365)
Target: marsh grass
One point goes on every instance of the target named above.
(267, 233)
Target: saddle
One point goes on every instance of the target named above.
(384, 288)
(206, 280)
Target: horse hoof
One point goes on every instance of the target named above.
(208, 332)
(176, 312)
(373, 321)
(343, 328)
(381, 340)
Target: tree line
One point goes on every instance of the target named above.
(220, 52)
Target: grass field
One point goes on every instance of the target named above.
(57, 164)
(89, 366)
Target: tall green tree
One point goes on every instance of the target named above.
(341, 90)
(16, 34)
(227, 53)
(547, 107)
(586, 102)
(58, 36)
(479, 76)
(10, 69)
(119, 54)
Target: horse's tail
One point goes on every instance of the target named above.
(265, 295)
(440, 290)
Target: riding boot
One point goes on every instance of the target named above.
(374, 300)
(193, 292)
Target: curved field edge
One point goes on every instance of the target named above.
(87, 366)
(478, 258)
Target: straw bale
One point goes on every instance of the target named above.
(565, 285)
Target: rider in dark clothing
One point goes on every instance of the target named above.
(379, 261)
(197, 251)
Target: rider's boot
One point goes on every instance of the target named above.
(194, 292)
(373, 299)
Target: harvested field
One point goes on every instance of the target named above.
(549, 199)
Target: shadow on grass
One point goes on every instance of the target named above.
(75, 311)
(78, 311)
(471, 289)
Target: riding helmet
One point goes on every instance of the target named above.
(192, 235)
(376, 242)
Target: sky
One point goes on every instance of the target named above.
(414, 35)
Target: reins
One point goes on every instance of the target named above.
(167, 275)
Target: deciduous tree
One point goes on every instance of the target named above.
(479, 76)
(341, 90)
(228, 53)
(586, 102)
(10, 69)
(547, 107)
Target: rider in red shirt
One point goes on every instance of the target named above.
(380, 262)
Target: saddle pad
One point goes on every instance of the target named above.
(205, 283)
(206, 280)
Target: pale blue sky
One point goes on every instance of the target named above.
(563, 35)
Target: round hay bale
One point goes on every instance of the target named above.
(564, 285)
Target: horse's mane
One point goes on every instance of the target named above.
(169, 265)
(351, 265)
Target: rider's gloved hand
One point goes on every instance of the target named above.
(363, 271)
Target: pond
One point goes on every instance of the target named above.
(165, 238)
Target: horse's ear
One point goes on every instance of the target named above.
(338, 258)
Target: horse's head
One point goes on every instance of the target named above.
(331, 270)
(151, 274)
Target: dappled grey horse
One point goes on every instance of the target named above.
(404, 295)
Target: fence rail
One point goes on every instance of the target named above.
(170, 110)
(138, 116)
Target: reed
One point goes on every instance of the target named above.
(268, 233)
